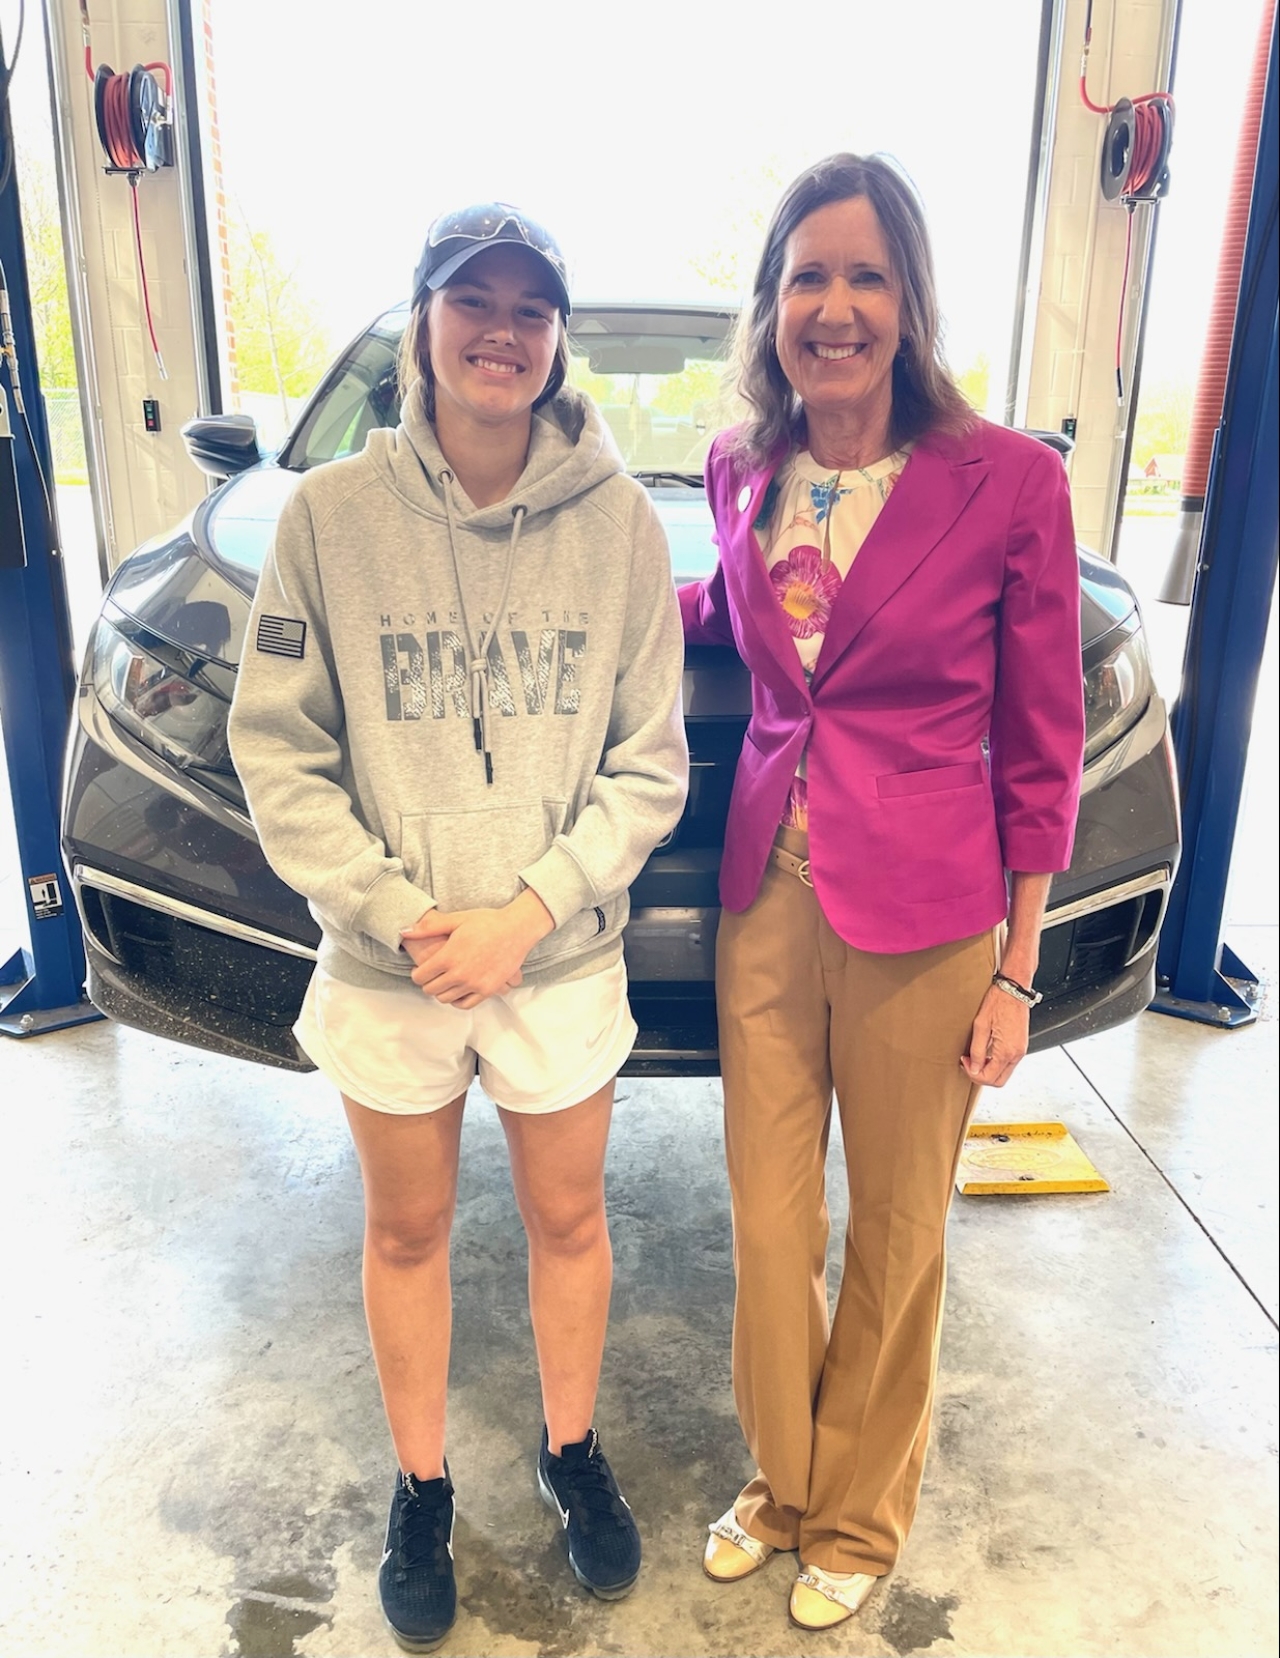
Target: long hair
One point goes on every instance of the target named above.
(414, 359)
(925, 396)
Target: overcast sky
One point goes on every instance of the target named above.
(650, 146)
(645, 146)
(654, 145)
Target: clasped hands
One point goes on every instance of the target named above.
(462, 957)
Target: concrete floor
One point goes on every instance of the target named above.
(196, 1462)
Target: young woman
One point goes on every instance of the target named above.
(458, 728)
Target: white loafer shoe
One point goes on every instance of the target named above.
(820, 1600)
(731, 1553)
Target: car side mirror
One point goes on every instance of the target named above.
(222, 445)
(1060, 441)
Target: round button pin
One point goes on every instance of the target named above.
(744, 497)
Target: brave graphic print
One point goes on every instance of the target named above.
(531, 671)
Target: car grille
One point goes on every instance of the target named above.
(1093, 950)
(182, 963)
(677, 1032)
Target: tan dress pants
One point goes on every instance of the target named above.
(837, 1415)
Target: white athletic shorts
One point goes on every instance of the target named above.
(537, 1049)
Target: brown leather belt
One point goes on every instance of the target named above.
(799, 867)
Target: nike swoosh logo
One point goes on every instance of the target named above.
(386, 1555)
(562, 1512)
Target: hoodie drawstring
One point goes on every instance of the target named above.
(478, 671)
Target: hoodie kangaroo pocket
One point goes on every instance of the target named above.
(468, 860)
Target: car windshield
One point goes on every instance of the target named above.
(657, 375)
(658, 378)
(359, 393)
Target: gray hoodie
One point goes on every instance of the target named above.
(440, 704)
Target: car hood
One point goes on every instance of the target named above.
(217, 555)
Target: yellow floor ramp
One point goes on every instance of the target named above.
(1024, 1159)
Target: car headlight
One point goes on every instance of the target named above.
(182, 722)
(1116, 693)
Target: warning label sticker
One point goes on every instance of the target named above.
(46, 896)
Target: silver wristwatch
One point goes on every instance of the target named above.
(1019, 992)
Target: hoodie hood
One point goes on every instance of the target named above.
(571, 451)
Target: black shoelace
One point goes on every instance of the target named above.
(424, 1531)
(588, 1484)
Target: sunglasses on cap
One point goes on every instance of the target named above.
(456, 237)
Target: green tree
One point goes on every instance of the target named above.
(46, 274)
(698, 386)
(598, 387)
(51, 313)
(281, 345)
(740, 210)
(975, 382)
(1163, 423)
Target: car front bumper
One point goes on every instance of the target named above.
(198, 970)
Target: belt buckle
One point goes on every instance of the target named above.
(802, 871)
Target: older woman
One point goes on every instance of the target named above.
(900, 577)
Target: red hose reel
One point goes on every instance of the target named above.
(129, 110)
(132, 117)
(135, 130)
(1135, 163)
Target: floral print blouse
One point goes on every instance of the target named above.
(819, 521)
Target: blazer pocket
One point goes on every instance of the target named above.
(895, 785)
(939, 828)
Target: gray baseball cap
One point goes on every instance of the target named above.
(456, 237)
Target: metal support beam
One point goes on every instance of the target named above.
(41, 988)
(1230, 612)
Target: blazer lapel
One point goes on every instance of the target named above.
(935, 488)
(757, 604)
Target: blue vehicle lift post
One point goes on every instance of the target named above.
(41, 988)
(1230, 612)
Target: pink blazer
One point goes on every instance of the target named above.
(945, 719)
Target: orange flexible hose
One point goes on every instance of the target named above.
(1206, 411)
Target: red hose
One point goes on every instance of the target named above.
(119, 128)
(142, 272)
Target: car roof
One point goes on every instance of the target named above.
(609, 316)
(630, 317)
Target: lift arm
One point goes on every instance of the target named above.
(1230, 612)
(41, 988)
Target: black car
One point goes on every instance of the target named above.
(188, 932)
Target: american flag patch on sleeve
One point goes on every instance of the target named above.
(281, 636)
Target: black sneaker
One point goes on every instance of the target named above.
(415, 1580)
(604, 1545)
